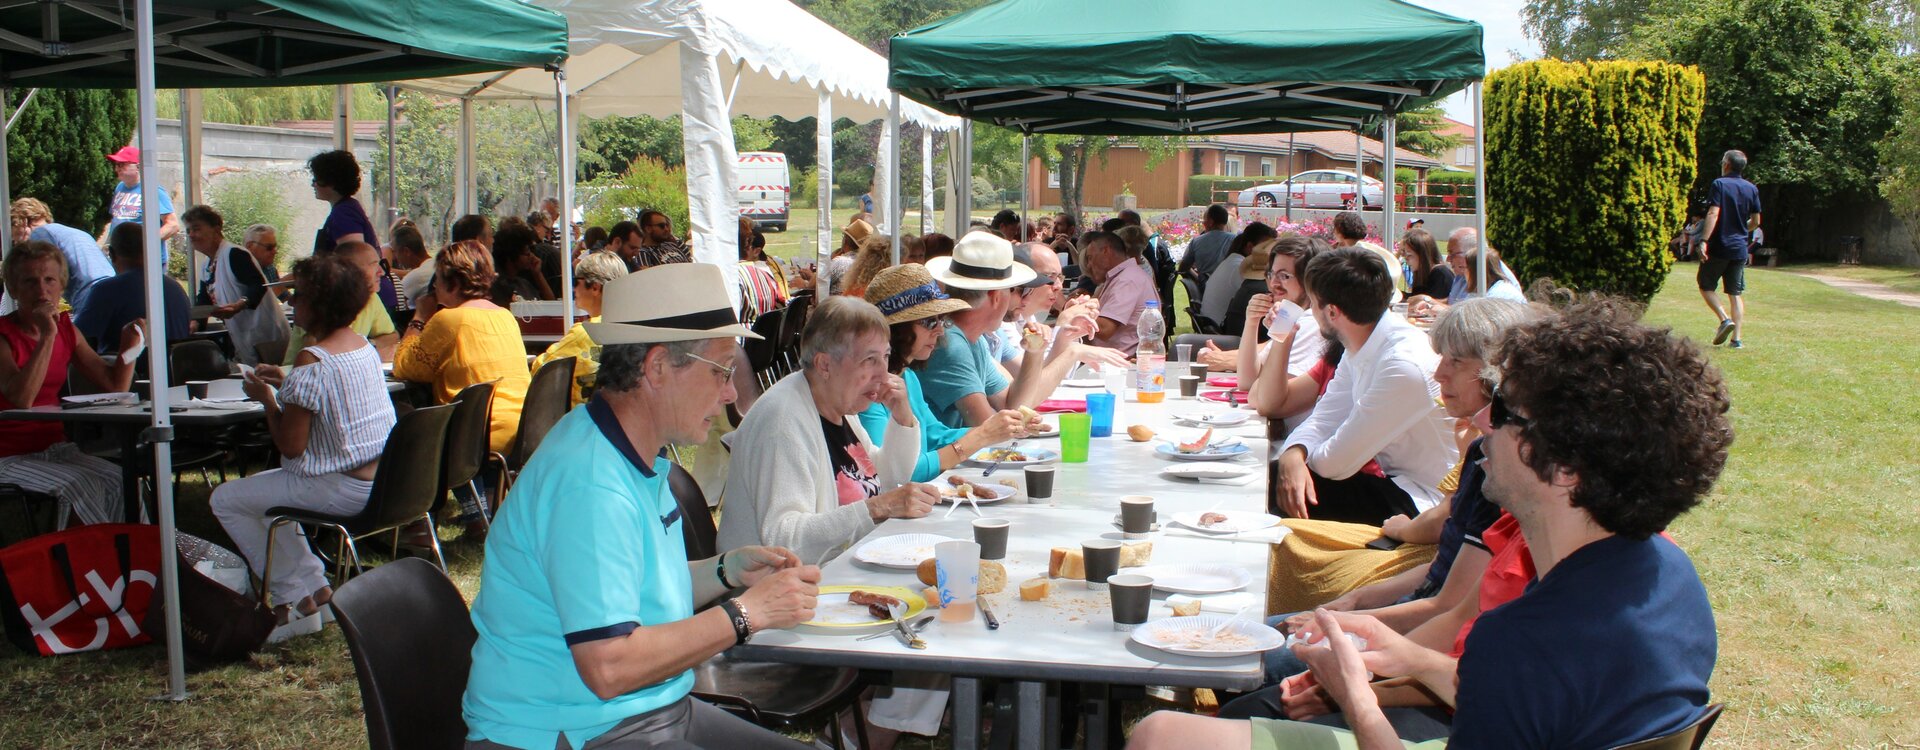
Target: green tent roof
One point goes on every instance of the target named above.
(1159, 67)
(240, 43)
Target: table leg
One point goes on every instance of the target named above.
(1029, 707)
(1099, 710)
(966, 713)
(1053, 717)
(130, 473)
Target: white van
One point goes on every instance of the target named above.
(764, 189)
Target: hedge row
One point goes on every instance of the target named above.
(1200, 187)
(1589, 164)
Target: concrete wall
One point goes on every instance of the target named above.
(228, 150)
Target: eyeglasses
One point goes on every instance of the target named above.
(1281, 276)
(932, 324)
(1498, 415)
(725, 371)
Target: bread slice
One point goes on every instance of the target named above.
(993, 575)
(932, 596)
(1187, 608)
(1035, 589)
(1135, 554)
(1067, 562)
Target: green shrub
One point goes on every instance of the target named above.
(250, 198)
(56, 151)
(806, 188)
(1589, 164)
(1200, 187)
(1449, 177)
(648, 183)
(1405, 177)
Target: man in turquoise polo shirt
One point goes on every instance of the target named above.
(590, 616)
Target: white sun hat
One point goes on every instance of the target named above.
(981, 260)
(665, 303)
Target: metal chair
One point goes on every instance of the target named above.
(762, 692)
(1689, 737)
(549, 396)
(468, 436)
(402, 493)
(411, 640)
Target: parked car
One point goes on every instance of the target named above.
(764, 190)
(1319, 188)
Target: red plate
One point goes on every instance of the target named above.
(1224, 381)
(1236, 397)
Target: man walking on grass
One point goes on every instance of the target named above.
(1732, 218)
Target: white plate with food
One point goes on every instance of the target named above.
(1194, 636)
(1195, 578)
(97, 399)
(1215, 419)
(1083, 383)
(862, 606)
(903, 551)
(1199, 471)
(1226, 521)
(1013, 458)
(959, 486)
(1044, 429)
(1214, 452)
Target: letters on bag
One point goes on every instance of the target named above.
(83, 589)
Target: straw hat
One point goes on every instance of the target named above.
(906, 293)
(980, 260)
(1255, 266)
(665, 303)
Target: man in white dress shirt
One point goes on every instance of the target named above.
(1378, 442)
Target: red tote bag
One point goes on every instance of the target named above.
(86, 588)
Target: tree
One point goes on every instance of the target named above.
(1583, 29)
(514, 158)
(1418, 129)
(608, 145)
(57, 151)
(265, 106)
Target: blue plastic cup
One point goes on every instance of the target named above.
(1100, 408)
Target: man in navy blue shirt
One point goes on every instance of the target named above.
(1601, 432)
(1732, 217)
(109, 304)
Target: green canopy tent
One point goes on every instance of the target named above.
(1147, 67)
(228, 43)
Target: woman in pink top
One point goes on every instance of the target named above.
(41, 343)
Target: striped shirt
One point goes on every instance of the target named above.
(352, 412)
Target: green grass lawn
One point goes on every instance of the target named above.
(1808, 549)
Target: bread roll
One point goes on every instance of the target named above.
(1035, 589)
(993, 575)
(932, 595)
(1071, 562)
(1187, 608)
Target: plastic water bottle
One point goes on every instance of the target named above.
(1150, 379)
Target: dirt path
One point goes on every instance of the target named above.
(1867, 289)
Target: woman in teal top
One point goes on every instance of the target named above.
(916, 313)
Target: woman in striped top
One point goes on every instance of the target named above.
(329, 419)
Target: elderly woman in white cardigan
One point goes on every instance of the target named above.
(804, 475)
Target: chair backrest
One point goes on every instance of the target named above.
(1200, 322)
(469, 434)
(549, 396)
(696, 519)
(401, 491)
(762, 352)
(411, 639)
(1689, 737)
(272, 352)
(199, 359)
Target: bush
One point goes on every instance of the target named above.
(56, 152)
(648, 183)
(806, 188)
(1449, 177)
(1589, 164)
(1200, 187)
(250, 198)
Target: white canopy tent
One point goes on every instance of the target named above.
(707, 61)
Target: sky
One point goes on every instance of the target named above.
(1504, 38)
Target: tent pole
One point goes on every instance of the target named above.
(1289, 181)
(191, 189)
(393, 171)
(343, 117)
(162, 429)
(1480, 181)
(24, 101)
(823, 166)
(565, 220)
(896, 213)
(1026, 162)
(1359, 166)
(6, 178)
(463, 176)
(966, 180)
(713, 168)
(926, 179)
(1388, 230)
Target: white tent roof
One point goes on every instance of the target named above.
(774, 55)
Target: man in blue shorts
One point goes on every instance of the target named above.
(1732, 217)
(1613, 642)
(590, 616)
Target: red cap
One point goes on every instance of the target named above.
(126, 155)
(1411, 222)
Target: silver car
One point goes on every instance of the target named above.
(1319, 188)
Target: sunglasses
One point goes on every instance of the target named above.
(1498, 415)
(932, 324)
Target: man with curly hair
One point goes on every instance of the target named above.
(1601, 432)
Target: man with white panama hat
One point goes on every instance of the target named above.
(590, 618)
(962, 381)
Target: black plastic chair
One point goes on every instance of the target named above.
(764, 354)
(795, 323)
(468, 436)
(197, 360)
(1201, 324)
(549, 397)
(411, 639)
(1689, 737)
(762, 692)
(402, 493)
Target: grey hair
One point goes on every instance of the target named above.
(253, 232)
(1473, 328)
(970, 296)
(622, 365)
(835, 323)
(1735, 160)
(1463, 240)
(599, 267)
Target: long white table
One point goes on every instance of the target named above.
(1069, 638)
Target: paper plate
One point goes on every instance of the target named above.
(834, 611)
(1238, 521)
(1189, 636)
(1195, 579)
(1215, 453)
(1224, 381)
(1045, 430)
(1034, 456)
(1236, 397)
(1215, 419)
(120, 397)
(1206, 471)
(903, 551)
(1083, 383)
(1005, 492)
